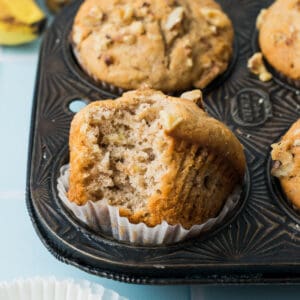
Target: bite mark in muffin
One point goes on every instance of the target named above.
(154, 156)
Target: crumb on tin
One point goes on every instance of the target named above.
(257, 67)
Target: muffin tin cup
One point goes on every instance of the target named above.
(102, 217)
(283, 79)
(257, 242)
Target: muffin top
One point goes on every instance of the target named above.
(286, 155)
(167, 45)
(279, 36)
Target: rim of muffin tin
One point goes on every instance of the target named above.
(65, 253)
(63, 158)
(276, 190)
(114, 91)
(278, 77)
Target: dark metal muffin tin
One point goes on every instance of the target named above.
(259, 242)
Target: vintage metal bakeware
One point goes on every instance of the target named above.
(259, 243)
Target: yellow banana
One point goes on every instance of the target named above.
(21, 21)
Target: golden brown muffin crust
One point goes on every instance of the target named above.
(202, 160)
(286, 153)
(279, 36)
(166, 45)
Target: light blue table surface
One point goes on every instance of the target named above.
(21, 252)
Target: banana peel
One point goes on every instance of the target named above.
(21, 21)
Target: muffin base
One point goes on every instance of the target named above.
(102, 217)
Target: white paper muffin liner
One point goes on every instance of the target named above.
(52, 289)
(102, 217)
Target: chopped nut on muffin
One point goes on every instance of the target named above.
(257, 67)
(286, 156)
(166, 45)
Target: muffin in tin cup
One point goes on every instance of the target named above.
(286, 157)
(166, 45)
(150, 169)
(279, 39)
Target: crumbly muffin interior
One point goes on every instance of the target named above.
(128, 145)
(133, 160)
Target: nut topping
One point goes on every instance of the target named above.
(137, 27)
(174, 18)
(129, 39)
(128, 12)
(95, 12)
(170, 121)
(257, 67)
(260, 18)
(77, 35)
(215, 17)
(296, 143)
(195, 96)
(189, 62)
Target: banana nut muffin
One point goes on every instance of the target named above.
(279, 36)
(163, 44)
(286, 155)
(154, 156)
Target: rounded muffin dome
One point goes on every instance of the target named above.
(167, 45)
(279, 36)
(286, 155)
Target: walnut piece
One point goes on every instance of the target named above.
(296, 143)
(260, 18)
(95, 16)
(174, 18)
(195, 96)
(157, 97)
(189, 62)
(105, 162)
(102, 43)
(213, 29)
(154, 37)
(126, 13)
(95, 12)
(77, 35)
(137, 27)
(115, 138)
(169, 121)
(282, 153)
(129, 39)
(215, 17)
(257, 67)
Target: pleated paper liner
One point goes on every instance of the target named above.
(39, 288)
(104, 218)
